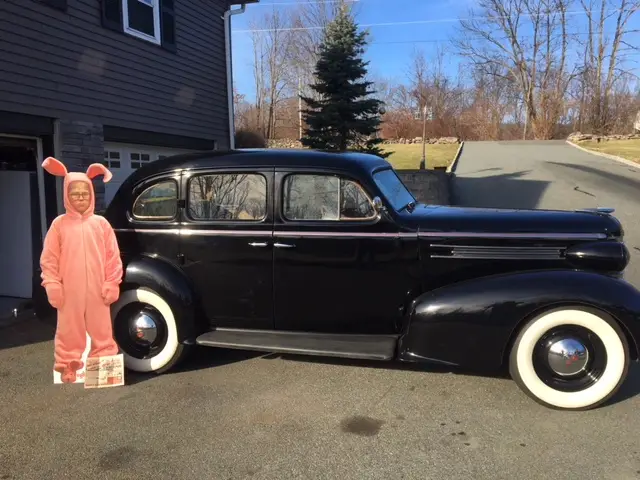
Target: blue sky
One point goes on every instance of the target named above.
(423, 24)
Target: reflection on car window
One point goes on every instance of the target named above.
(157, 202)
(236, 196)
(393, 189)
(325, 197)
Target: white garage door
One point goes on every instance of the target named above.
(123, 159)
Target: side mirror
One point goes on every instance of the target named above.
(377, 205)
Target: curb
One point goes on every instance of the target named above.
(454, 164)
(606, 155)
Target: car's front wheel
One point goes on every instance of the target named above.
(570, 358)
(145, 329)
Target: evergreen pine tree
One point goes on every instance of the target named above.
(344, 116)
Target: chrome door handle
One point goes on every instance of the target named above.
(258, 244)
(283, 245)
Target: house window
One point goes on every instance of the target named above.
(142, 19)
(150, 20)
(325, 197)
(111, 159)
(233, 196)
(139, 159)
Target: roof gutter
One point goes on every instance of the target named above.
(227, 44)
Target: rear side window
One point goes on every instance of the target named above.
(228, 196)
(157, 202)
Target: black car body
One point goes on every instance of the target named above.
(329, 254)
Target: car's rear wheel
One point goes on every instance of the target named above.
(145, 329)
(571, 358)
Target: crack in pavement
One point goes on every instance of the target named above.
(577, 189)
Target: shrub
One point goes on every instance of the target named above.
(250, 139)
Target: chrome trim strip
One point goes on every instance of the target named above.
(429, 359)
(497, 248)
(221, 233)
(541, 236)
(481, 252)
(342, 234)
(187, 232)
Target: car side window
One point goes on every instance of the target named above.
(325, 197)
(228, 196)
(157, 202)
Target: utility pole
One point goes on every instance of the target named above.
(423, 160)
(300, 106)
(526, 119)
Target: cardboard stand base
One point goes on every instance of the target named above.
(100, 372)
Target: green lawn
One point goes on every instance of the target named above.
(407, 156)
(629, 149)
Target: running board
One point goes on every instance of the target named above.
(369, 347)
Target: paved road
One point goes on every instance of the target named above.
(550, 175)
(236, 415)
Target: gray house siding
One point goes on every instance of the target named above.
(65, 64)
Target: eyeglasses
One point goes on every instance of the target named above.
(80, 195)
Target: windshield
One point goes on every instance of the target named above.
(393, 189)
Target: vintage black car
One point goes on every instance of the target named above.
(330, 254)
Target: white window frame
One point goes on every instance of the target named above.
(156, 22)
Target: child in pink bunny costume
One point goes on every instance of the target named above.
(81, 271)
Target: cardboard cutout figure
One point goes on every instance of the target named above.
(81, 272)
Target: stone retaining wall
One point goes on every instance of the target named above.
(428, 186)
(294, 143)
(581, 137)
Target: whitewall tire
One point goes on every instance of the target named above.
(571, 358)
(142, 317)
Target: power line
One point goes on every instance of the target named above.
(421, 22)
(444, 40)
(310, 2)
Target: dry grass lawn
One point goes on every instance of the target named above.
(629, 149)
(407, 156)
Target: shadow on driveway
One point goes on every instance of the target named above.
(25, 330)
(508, 190)
(632, 184)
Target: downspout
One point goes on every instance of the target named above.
(227, 42)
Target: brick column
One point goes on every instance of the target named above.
(82, 143)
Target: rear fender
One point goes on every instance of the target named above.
(173, 286)
(472, 323)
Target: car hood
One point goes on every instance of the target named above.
(426, 218)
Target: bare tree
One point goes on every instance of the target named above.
(528, 40)
(271, 45)
(603, 58)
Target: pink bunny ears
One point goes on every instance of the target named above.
(57, 168)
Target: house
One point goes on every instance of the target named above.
(123, 82)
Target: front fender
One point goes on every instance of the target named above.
(173, 286)
(472, 323)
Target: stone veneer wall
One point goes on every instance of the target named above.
(82, 143)
(428, 186)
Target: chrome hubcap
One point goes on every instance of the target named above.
(143, 329)
(567, 356)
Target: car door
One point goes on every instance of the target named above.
(338, 267)
(226, 244)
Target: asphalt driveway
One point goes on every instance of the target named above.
(235, 415)
(550, 175)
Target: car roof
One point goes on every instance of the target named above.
(261, 158)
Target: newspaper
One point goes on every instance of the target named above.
(102, 372)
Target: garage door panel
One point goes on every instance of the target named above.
(123, 159)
